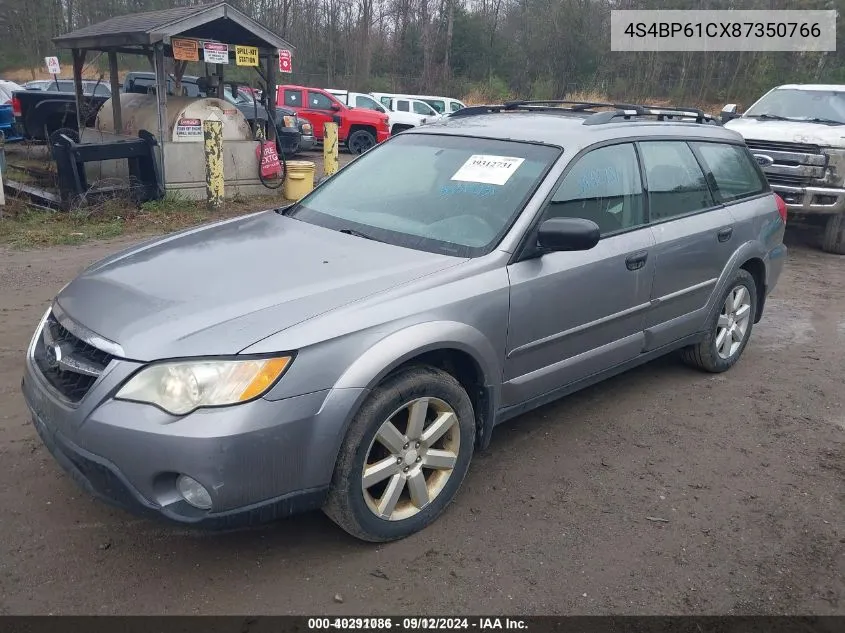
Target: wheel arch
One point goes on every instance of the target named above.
(750, 257)
(457, 348)
(757, 269)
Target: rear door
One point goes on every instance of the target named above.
(695, 237)
(574, 314)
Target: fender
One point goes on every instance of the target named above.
(403, 345)
(748, 250)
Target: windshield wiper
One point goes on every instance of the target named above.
(359, 234)
(772, 117)
(818, 119)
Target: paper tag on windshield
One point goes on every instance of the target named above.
(491, 170)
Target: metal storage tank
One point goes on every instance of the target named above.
(182, 146)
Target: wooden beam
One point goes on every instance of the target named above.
(115, 93)
(161, 97)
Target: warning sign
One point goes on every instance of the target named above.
(285, 65)
(189, 128)
(215, 53)
(246, 55)
(52, 64)
(185, 50)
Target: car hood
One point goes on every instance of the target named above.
(789, 131)
(220, 288)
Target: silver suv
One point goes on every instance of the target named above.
(350, 352)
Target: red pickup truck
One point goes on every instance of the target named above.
(358, 128)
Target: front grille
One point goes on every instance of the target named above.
(777, 146)
(68, 363)
(786, 181)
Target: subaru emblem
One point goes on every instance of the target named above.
(763, 160)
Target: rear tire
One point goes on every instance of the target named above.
(414, 438)
(729, 329)
(834, 234)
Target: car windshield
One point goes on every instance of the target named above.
(452, 195)
(801, 105)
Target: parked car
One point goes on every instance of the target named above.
(797, 134)
(398, 120)
(358, 129)
(293, 134)
(441, 105)
(510, 259)
(43, 111)
(8, 126)
(89, 86)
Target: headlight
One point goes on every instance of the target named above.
(181, 387)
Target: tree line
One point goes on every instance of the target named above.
(480, 49)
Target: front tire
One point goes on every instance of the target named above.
(360, 141)
(729, 329)
(833, 240)
(403, 460)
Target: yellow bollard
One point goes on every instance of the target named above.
(212, 130)
(329, 148)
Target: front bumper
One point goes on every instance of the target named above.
(382, 135)
(812, 200)
(307, 143)
(259, 461)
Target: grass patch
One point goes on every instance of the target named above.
(25, 226)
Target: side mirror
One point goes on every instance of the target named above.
(729, 112)
(335, 107)
(568, 234)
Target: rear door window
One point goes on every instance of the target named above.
(734, 172)
(676, 184)
(293, 98)
(402, 105)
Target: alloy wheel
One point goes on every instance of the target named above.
(411, 459)
(732, 325)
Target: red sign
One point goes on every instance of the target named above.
(270, 165)
(285, 65)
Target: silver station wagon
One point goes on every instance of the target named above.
(351, 351)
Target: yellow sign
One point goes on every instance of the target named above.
(185, 50)
(246, 55)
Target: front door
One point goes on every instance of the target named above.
(318, 110)
(574, 314)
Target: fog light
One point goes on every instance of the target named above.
(193, 492)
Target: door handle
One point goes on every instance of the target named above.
(637, 260)
(725, 234)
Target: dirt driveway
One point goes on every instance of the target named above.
(744, 472)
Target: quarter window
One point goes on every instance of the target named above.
(676, 184)
(733, 171)
(603, 186)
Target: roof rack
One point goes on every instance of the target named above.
(620, 110)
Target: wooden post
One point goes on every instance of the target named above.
(329, 149)
(212, 131)
(115, 93)
(78, 63)
(161, 97)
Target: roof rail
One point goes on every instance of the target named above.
(620, 110)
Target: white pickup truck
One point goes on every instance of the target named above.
(398, 120)
(796, 133)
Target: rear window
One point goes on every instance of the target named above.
(733, 170)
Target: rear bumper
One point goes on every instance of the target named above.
(812, 200)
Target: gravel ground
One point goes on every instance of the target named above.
(745, 472)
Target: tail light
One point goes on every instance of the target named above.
(16, 107)
(781, 207)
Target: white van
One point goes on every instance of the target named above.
(442, 105)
